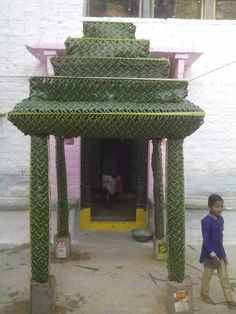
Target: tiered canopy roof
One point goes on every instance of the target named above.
(108, 86)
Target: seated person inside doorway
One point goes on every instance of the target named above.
(111, 180)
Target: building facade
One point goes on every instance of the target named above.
(209, 153)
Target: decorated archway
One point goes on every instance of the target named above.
(106, 86)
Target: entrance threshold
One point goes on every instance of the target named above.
(86, 223)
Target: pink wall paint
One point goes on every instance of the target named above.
(180, 62)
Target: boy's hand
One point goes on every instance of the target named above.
(216, 261)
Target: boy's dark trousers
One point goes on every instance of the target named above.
(223, 275)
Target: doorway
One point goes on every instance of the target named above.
(113, 157)
(126, 158)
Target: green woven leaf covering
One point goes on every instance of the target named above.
(33, 106)
(176, 211)
(127, 120)
(39, 209)
(109, 30)
(158, 191)
(114, 95)
(97, 47)
(62, 209)
(111, 67)
(107, 89)
(108, 106)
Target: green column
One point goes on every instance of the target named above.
(62, 210)
(176, 211)
(158, 196)
(39, 209)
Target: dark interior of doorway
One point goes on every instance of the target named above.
(123, 153)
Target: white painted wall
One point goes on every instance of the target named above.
(210, 152)
(25, 22)
(210, 160)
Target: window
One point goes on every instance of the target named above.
(164, 8)
(182, 9)
(111, 8)
(226, 10)
(190, 9)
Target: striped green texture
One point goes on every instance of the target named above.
(109, 30)
(39, 209)
(175, 211)
(110, 120)
(99, 47)
(107, 89)
(62, 209)
(158, 195)
(37, 105)
(110, 67)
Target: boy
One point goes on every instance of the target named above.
(213, 254)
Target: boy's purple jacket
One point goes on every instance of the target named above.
(212, 234)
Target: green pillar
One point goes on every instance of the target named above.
(158, 196)
(39, 209)
(62, 210)
(176, 211)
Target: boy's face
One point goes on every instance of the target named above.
(217, 208)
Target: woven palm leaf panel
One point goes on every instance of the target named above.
(85, 156)
(109, 30)
(111, 67)
(39, 209)
(142, 156)
(62, 209)
(114, 52)
(158, 190)
(109, 119)
(99, 47)
(107, 89)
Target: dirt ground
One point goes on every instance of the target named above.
(109, 273)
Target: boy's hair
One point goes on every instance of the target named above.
(213, 198)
